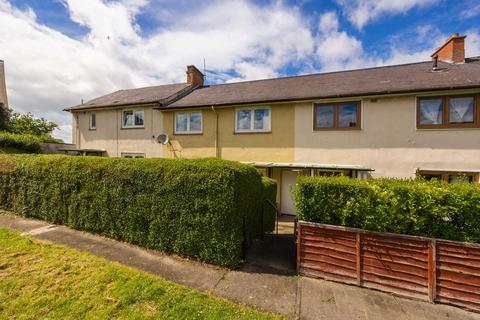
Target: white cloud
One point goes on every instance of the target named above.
(360, 12)
(47, 70)
(337, 50)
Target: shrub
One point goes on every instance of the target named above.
(202, 208)
(416, 207)
(24, 142)
(270, 195)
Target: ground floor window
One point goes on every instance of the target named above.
(133, 155)
(449, 176)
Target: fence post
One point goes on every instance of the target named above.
(299, 245)
(432, 270)
(359, 258)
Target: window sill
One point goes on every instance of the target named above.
(447, 128)
(336, 129)
(92, 129)
(187, 133)
(252, 132)
(129, 128)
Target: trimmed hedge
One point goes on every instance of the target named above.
(415, 207)
(269, 213)
(24, 142)
(201, 208)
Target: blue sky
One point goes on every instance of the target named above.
(61, 51)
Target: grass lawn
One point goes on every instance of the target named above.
(41, 280)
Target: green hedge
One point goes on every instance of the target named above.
(201, 208)
(24, 142)
(416, 207)
(270, 195)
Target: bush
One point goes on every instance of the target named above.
(202, 208)
(270, 195)
(24, 142)
(416, 207)
(20, 141)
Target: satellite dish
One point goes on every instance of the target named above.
(162, 138)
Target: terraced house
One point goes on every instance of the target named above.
(394, 121)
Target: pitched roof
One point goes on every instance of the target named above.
(414, 77)
(158, 94)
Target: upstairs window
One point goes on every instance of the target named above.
(188, 122)
(337, 116)
(133, 119)
(253, 120)
(447, 112)
(93, 121)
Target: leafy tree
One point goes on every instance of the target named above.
(4, 115)
(28, 124)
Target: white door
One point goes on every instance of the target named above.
(289, 180)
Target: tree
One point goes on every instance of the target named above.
(4, 115)
(28, 124)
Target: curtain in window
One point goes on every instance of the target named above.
(431, 111)
(461, 110)
(244, 119)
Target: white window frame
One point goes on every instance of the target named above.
(134, 111)
(90, 122)
(252, 120)
(188, 131)
(133, 155)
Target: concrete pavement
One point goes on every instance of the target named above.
(257, 284)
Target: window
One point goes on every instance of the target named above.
(188, 122)
(133, 119)
(337, 116)
(133, 155)
(449, 176)
(93, 121)
(447, 112)
(252, 120)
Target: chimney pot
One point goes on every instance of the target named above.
(194, 76)
(452, 51)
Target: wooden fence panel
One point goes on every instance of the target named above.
(458, 274)
(417, 267)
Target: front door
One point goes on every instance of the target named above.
(287, 202)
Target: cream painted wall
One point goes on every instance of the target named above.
(388, 141)
(274, 146)
(110, 135)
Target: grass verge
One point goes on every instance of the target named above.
(41, 280)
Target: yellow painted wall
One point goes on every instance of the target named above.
(388, 142)
(274, 146)
(110, 135)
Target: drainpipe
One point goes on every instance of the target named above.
(77, 129)
(217, 150)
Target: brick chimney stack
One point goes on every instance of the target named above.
(3, 87)
(194, 76)
(452, 51)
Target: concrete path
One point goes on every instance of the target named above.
(255, 285)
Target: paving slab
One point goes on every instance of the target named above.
(322, 299)
(19, 223)
(264, 290)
